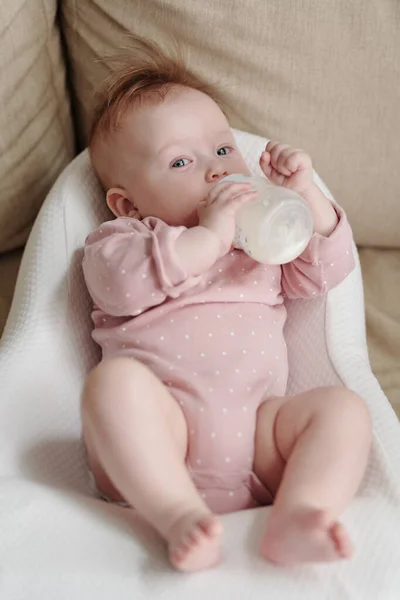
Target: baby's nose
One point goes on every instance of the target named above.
(215, 173)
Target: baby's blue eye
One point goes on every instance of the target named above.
(181, 162)
(223, 151)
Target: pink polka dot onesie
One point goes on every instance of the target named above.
(215, 340)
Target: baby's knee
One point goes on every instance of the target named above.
(348, 404)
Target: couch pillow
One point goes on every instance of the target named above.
(36, 134)
(381, 271)
(320, 75)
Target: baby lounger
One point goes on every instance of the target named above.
(58, 541)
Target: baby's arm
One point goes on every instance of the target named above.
(323, 265)
(292, 168)
(199, 247)
(328, 258)
(131, 265)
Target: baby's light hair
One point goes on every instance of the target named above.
(145, 73)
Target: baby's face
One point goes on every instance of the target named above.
(170, 155)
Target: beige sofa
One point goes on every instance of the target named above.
(321, 75)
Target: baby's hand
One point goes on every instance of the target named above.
(217, 211)
(287, 166)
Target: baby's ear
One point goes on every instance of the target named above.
(119, 203)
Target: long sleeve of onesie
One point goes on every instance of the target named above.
(323, 265)
(130, 265)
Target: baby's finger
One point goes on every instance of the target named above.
(202, 204)
(298, 159)
(281, 165)
(276, 152)
(265, 158)
(215, 191)
(267, 168)
(270, 146)
(223, 192)
(242, 198)
(276, 177)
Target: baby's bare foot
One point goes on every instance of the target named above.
(308, 535)
(194, 542)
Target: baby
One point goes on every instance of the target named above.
(186, 416)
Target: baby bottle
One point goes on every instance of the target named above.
(274, 228)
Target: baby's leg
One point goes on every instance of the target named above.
(312, 451)
(136, 438)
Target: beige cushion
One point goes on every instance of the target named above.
(321, 75)
(381, 274)
(36, 138)
(9, 265)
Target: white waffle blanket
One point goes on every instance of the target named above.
(59, 542)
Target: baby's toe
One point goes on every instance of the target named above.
(195, 536)
(179, 554)
(211, 526)
(342, 541)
